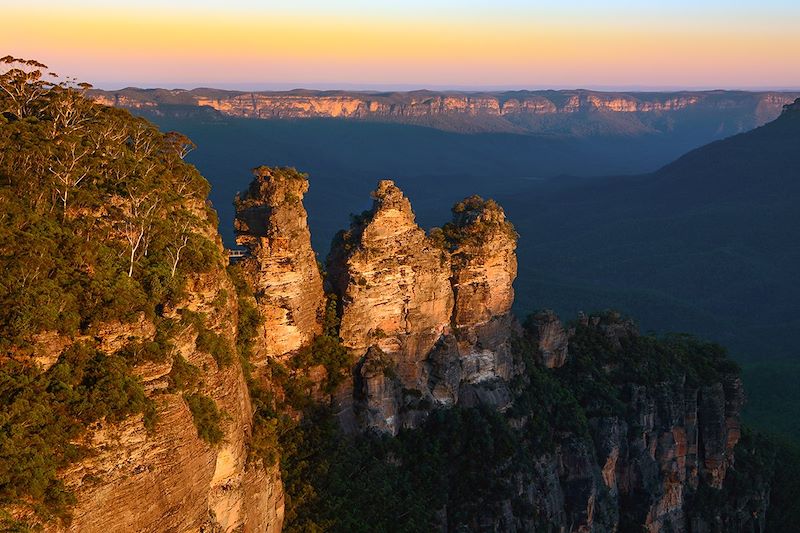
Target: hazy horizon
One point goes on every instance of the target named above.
(356, 87)
(510, 43)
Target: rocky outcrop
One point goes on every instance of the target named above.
(792, 107)
(281, 267)
(550, 338)
(169, 479)
(645, 467)
(427, 317)
(515, 111)
(482, 246)
(393, 284)
(484, 263)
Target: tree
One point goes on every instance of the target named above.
(177, 247)
(23, 84)
(180, 143)
(67, 168)
(138, 219)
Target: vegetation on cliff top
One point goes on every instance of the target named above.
(99, 212)
(475, 221)
(101, 222)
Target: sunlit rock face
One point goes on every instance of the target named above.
(394, 285)
(169, 479)
(484, 261)
(514, 111)
(271, 223)
(427, 317)
(482, 246)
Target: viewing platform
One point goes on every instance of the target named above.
(236, 255)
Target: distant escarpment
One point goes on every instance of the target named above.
(571, 112)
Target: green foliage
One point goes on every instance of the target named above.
(330, 320)
(208, 341)
(600, 373)
(215, 344)
(9, 524)
(773, 397)
(263, 446)
(99, 212)
(474, 221)
(461, 458)
(101, 221)
(206, 416)
(45, 413)
(249, 317)
(328, 352)
(183, 376)
(156, 350)
(548, 407)
(784, 513)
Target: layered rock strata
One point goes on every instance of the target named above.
(428, 318)
(643, 469)
(280, 265)
(517, 111)
(550, 337)
(169, 479)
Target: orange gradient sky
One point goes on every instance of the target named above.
(619, 44)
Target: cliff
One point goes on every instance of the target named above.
(566, 111)
(280, 265)
(124, 398)
(168, 478)
(670, 437)
(426, 317)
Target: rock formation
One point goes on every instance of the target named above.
(427, 317)
(518, 111)
(550, 337)
(476, 364)
(271, 223)
(169, 479)
(393, 284)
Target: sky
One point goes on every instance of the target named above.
(381, 44)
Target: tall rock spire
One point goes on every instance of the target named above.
(281, 266)
(484, 261)
(427, 317)
(394, 284)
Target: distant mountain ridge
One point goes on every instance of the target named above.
(551, 112)
(709, 243)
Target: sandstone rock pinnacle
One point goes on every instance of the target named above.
(281, 266)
